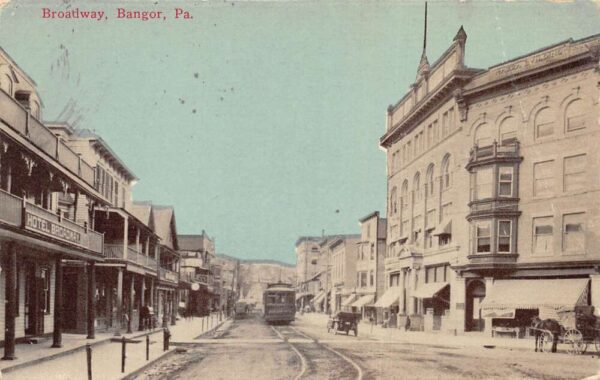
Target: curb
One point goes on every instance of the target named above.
(149, 364)
(71, 351)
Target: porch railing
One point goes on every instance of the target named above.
(168, 275)
(19, 119)
(115, 251)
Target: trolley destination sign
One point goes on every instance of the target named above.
(49, 228)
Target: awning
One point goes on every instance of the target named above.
(319, 297)
(429, 290)
(549, 296)
(444, 228)
(348, 301)
(364, 300)
(390, 297)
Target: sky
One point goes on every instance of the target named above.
(259, 121)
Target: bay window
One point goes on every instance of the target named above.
(483, 236)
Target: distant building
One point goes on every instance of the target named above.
(197, 256)
(343, 251)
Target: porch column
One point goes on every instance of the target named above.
(131, 302)
(91, 312)
(174, 307)
(10, 256)
(142, 300)
(165, 309)
(137, 240)
(58, 304)
(119, 302)
(489, 282)
(401, 301)
(125, 237)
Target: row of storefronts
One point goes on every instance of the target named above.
(492, 196)
(77, 254)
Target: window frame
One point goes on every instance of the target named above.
(552, 178)
(582, 232)
(501, 181)
(477, 237)
(510, 235)
(581, 173)
(535, 235)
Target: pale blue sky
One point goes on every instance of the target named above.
(258, 120)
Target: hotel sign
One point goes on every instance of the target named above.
(49, 228)
(532, 62)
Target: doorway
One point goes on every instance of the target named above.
(34, 306)
(474, 297)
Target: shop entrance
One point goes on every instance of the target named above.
(36, 281)
(475, 294)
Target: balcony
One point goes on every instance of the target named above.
(507, 152)
(17, 117)
(18, 213)
(116, 251)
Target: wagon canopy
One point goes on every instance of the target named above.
(549, 296)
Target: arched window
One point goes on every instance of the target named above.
(393, 202)
(508, 130)
(35, 109)
(544, 123)
(483, 135)
(430, 183)
(417, 187)
(404, 196)
(575, 116)
(6, 84)
(446, 180)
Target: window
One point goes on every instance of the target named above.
(543, 178)
(7, 85)
(417, 145)
(429, 136)
(544, 123)
(429, 187)
(483, 135)
(504, 236)
(372, 255)
(451, 119)
(542, 235)
(409, 151)
(573, 232)
(417, 187)
(428, 239)
(574, 173)
(445, 124)
(436, 131)
(505, 181)
(508, 130)
(393, 202)
(404, 196)
(446, 180)
(483, 181)
(483, 237)
(371, 278)
(45, 275)
(575, 116)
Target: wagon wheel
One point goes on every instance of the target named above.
(574, 339)
(545, 341)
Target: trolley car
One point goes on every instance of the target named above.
(279, 302)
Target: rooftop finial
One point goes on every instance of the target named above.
(425, 31)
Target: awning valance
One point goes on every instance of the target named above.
(348, 301)
(364, 300)
(444, 228)
(549, 296)
(390, 297)
(430, 290)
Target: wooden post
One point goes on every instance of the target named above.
(119, 302)
(10, 254)
(58, 304)
(91, 312)
(131, 302)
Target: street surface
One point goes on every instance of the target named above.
(250, 349)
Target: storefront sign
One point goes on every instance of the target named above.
(531, 62)
(47, 227)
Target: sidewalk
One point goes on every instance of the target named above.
(39, 361)
(475, 339)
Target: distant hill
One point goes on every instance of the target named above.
(255, 275)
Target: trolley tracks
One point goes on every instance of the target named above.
(318, 360)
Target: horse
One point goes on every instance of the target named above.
(547, 324)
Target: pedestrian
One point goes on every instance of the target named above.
(407, 324)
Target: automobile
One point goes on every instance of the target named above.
(343, 321)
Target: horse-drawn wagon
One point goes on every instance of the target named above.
(578, 328)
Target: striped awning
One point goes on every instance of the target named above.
(504, 297)
(348, 301)
(389, 298)
(429, 290)
(319, 297)
(364, 300)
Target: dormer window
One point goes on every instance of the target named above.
(23, 99)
